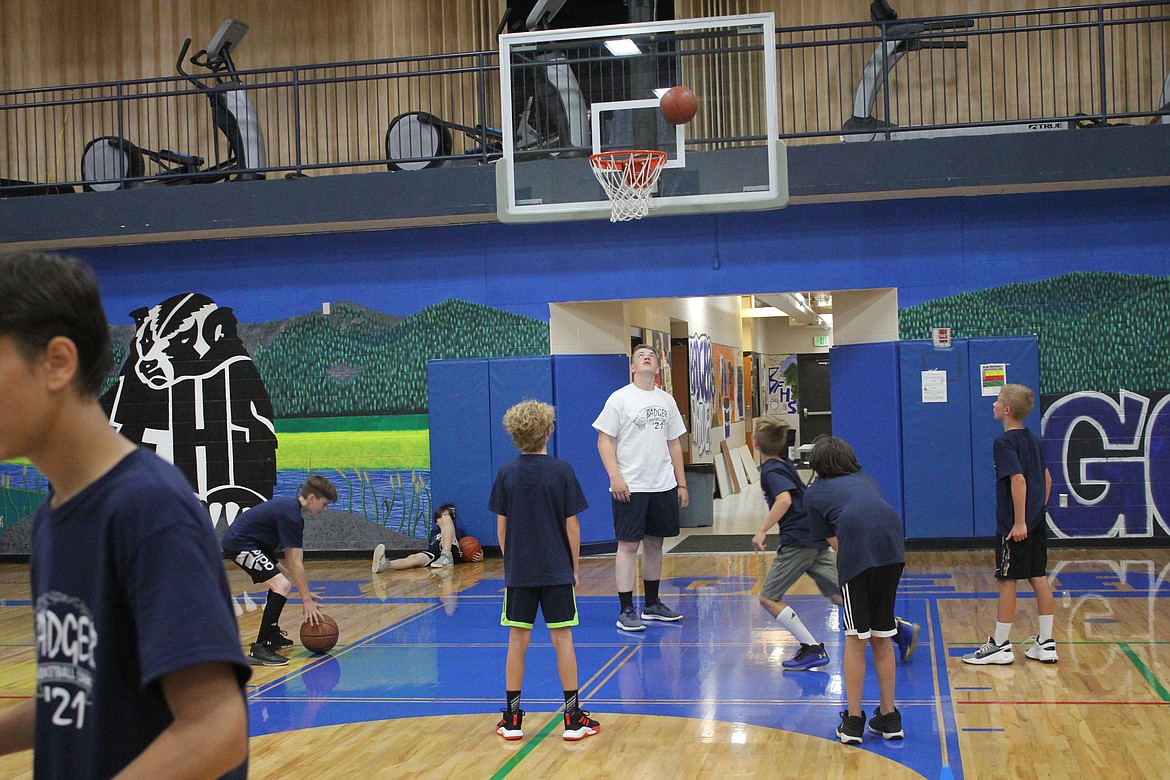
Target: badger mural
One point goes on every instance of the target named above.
(189, 390)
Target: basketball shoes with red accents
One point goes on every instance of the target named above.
(510, 726)
(579, 725)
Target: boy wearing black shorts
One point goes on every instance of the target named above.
(1022, 485)
(846, 507)
(639, 439)
(536, 499)
(252, 542)
(442, 548)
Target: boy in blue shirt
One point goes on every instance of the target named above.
(1022, 485)
(799, 553)
(846, 507)
(252, 542)
(115, 691)
(536, 499)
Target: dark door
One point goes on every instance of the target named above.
(812, 396)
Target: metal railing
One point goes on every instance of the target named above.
(1035, 70)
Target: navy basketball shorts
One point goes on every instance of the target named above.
(1022, 560)
(557, 603)
(259, 564)
(646, 514)
(868, 602)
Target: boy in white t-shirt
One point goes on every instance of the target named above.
(639, 438)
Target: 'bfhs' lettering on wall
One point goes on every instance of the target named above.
(1111, 459)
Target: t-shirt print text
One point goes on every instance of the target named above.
(652, 416)
(66, 641)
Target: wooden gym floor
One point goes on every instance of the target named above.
(415, 686)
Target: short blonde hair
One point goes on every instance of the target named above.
(529, 423)
(1017, 398)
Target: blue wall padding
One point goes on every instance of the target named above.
(512, 380)
(936, 444)
(461, 452)
(468, 399)
(1022, 356)
(865, 396)
(581, 384)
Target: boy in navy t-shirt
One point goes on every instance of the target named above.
(253, 541)
(1022, 485)
(442, 547)
(536, 499)
(116, 691)
(846, 507)
(799, 553)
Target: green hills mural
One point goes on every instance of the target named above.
(1097, 331)
(357, 361)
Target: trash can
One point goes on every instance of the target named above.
(701, 488)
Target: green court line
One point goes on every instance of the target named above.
(1145, 671)
(516, 759)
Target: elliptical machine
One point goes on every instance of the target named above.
(113, 163)
(554, 119)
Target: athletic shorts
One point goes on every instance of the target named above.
(1022, 560)
(259, 564)
(557, 603)
(646, 514)
(868, 602)
(793, 562)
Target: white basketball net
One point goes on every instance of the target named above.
(628, 178)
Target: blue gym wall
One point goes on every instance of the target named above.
(926, 248)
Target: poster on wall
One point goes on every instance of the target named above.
(702, 388)
(660, 341)
(725, 363)
(778, 394)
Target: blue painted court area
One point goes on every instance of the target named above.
(721, 662)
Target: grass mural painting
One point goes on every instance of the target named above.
(349, 397)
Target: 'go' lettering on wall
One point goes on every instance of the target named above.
(1111, 458)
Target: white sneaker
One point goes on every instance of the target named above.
(1044, 652)
(991, 653)
(379, 564)
(443, 560)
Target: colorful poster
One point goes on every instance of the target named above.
(992, 376)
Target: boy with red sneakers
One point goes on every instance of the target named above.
(536, 499)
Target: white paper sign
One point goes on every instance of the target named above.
(934, 387)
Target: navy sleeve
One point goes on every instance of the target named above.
(1007, 460)
(575, 502)
(497, 501)
(818, 524)
(174, 581)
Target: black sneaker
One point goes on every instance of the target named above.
(280, 640)
(263, 655)
(511, 725)
(579, 725)
(851, 729)
(888, 726)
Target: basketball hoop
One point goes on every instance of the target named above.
(628, 177)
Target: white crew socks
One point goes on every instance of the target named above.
(1045, 628)
(1002, 632)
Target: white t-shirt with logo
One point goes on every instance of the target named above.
(642, 422)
